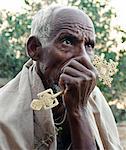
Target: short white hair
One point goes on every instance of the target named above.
(41, 24)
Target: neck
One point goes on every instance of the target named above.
(46, 82)
(41, 75)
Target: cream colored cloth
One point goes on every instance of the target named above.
(16, 117)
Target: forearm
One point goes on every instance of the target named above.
(81, 134)
(78, 80)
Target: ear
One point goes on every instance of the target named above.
(33, 47)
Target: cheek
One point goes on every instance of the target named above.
(56, 62)
(57, 59)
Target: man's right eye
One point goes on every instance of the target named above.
(67, 42)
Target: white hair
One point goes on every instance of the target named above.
(41, 24)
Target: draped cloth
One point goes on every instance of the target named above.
(18, 128)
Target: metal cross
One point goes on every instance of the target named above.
(105, 69)
(46, 100)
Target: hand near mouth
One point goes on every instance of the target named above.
(78, 80)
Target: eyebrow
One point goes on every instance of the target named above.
(67, 34)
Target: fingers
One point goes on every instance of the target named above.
(77, 69)
(67, 80)
(79, 72)
(88, 64)
(78, 79)
(72, 77)
(82, 64)
(76, 85)
(85, 62)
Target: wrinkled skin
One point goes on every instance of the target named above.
(66, 61)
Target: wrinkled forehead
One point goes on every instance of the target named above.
(71, 19)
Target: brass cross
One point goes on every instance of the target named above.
(105, 69)
(46, 100)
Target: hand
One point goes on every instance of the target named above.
(78, 80)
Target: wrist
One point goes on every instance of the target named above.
(77, 113)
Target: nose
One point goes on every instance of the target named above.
(83, 52)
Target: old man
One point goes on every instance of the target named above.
(60, 46)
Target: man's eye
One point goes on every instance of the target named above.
(89, 46)
(67, 42)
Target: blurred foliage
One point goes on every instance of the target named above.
(12, 44)
(15, 29)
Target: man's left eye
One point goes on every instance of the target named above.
(89, 46)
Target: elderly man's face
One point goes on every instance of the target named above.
(72, 35)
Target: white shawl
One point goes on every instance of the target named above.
(16, 116)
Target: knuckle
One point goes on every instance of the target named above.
(66, 69)
(93, 75)
(78, 82)
(73, 61)
(62, 76)
(88, 77)
(95, 71)
(85, 78)
(69, 62)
